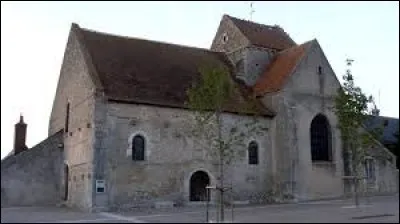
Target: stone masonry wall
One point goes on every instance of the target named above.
(32, 178)
(76, 87)
(172, 155)
(304, 95)
(256, 61)
(235, 39)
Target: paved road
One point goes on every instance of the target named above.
(384, 209)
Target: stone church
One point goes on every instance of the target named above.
(119, 131)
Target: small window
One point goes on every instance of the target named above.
(224, 38)
(67, 118)
(253, 152)
(138, 147)
(319, 70)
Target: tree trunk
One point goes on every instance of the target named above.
(356, 199)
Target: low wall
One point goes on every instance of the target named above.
(32, 177)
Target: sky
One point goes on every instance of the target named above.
(34, 37)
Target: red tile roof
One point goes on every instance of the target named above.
(278, 71)
(263, 35)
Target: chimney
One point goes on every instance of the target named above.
(20, 136)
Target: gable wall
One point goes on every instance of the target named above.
(235, 41)
(300, 100)
(76, 87)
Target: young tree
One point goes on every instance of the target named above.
(396, 148)
(352, 108)
(209, 98)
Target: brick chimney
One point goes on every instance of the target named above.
(20, 136)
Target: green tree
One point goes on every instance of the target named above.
(209, 98)
(352, 108)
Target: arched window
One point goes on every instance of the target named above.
(138, 146)
(320, 139)
(253, 153)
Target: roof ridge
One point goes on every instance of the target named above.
(142, 39)
(261, 25)
(299, 45)
(386, 117)
(248, 21)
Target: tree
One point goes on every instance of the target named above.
(209, 98)
(352, 107)
(396, 148)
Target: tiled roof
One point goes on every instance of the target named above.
(390, 127)
(280, 69)
(263, 35)
(149, 72)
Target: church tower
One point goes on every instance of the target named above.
(250, 46)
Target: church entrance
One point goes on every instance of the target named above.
(198, 183)
(66, 177)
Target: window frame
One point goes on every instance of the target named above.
(252, 152)
(135, 154)
(321, 139)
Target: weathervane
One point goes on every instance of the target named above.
(349, 61)
(251, 10)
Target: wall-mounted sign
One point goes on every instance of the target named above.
(100, 186)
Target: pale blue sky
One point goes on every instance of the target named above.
(34, 35)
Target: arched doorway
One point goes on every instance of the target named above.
(321, 142)
(198, 183)
(66, 177)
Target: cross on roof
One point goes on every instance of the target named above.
(251, 10)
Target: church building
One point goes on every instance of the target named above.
(120, 131)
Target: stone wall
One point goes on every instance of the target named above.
(256, 61)
(32, 177)
(234, 37)
(251, 62)
(76, 86)
(306, 94)
(172, 155)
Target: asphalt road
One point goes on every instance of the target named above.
(383, 209)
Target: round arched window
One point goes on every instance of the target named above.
(138, 147)
(253, 152)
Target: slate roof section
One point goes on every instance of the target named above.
(279, 70)
(389, 130)
(149, 72)
(262, 35)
